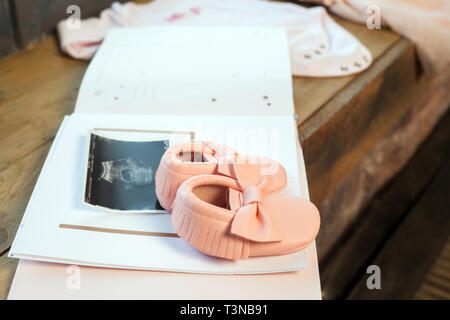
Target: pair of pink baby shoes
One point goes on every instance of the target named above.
(229, 206)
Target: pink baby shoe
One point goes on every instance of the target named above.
(220, 218)
(186, 160)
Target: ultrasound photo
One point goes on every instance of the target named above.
(121, 174)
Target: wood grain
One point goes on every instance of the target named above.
(425, 105)
(414, 245)
(16, 185)
(436, 284)
(37, 88)
(346, 127)
(7, 268)
(352, 254)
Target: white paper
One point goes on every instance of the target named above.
(190, 70)
(57, 200)
(40, 280)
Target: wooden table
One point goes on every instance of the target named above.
(340, 121)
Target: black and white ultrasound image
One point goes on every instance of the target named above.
(121, 174)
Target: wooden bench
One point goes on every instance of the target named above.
(341, 122)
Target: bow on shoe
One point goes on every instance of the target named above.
(252, 221)
(246, 170)
(263, 215)
(272, 217)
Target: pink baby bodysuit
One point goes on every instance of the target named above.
(425, 22)
(319, 47)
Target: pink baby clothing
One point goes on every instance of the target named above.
(425, 22)
(319, 47)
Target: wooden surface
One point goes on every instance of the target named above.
(337, 137)
(436, 284)
(414, 245)
(423, 106)
(7, 268)
(340, 119)
(37, 88)
(347, 266)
